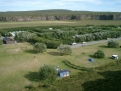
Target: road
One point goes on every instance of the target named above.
(94, 42)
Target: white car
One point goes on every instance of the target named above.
(74, 43)
(83, 42)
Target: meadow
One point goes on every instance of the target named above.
(19, 67)
(58, 23)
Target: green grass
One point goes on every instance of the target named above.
(17, 66)
(54, 23)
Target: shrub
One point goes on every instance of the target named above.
(64, 49)
(66, 62)
(39, 47)
(113, 44)
(99, 54)
(47, 74)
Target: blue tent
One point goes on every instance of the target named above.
(63, 73)
(91, 60)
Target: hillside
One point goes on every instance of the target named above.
(43, 15)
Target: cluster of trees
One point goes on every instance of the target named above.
(62, 34)
(24, 36)
(63, 49)
(97, 36)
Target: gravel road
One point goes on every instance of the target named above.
(94, 42)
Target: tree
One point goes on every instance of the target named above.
(113, 44)
(47, 74)
(39, 47)
(24, 36)
(64, 49)
(99, 54)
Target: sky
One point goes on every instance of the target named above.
(76, 5)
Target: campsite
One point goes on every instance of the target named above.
(19, 68)
(60, 53)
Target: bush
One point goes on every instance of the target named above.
(99, 54)
(39, 47)
(47, 74)
(66, 62)
(113, 44)
(64, 49)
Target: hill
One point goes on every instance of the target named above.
(57, 14)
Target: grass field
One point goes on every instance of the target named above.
(18, 65)
(53, 23)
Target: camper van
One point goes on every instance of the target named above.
(114, 56)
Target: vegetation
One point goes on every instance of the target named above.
(64, 49)
(23, 36)
(66, 62)
(19, 67)
(58, 23)
(50, 12)
(113, 44)
(39, 47)
(99, 54)
(47, 74)
(1, 42)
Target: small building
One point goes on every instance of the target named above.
(7, 40)
(63, 73)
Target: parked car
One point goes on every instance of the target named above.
(73, 43)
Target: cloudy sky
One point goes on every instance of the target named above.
(82, 5)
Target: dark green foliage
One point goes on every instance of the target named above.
(113, 44)
(39, 47)
(49, 43)
(99, 54)
(66, 62)
(5, 33)
(67, 40)
(0, 35)
(47, 74)
(64, 49)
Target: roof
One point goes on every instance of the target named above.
(114, 55)
(8, 39)
(63, 71)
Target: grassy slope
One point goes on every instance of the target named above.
(54, 23)
(51, 12)
(18, 68)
